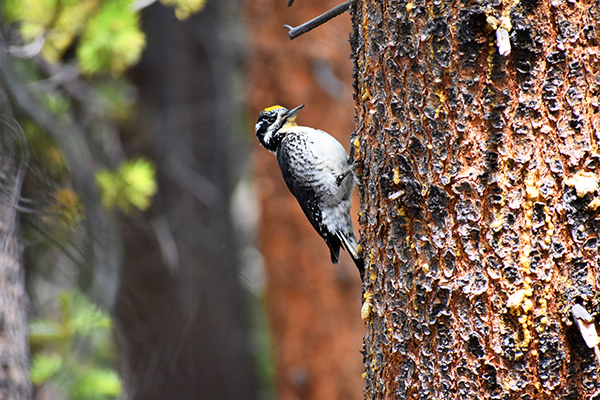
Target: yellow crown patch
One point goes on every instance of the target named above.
(275, 107)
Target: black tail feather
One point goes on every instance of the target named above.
(334, 244)
(360, 264)
(351, 246)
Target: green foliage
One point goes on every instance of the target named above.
(70, 352)
(131, 186)
(97, 384)
(112, 40)
(44, 367)
(60, 22)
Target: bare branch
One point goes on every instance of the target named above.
(320, 20)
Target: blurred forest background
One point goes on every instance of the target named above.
(164, 256)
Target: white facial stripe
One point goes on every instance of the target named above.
(268, 136)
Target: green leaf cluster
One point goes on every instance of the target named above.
(112, 40)
(131, 186)
(108, 31)
(72, 352)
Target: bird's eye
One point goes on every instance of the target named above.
(272, 119)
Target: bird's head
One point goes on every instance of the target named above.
(271, 125)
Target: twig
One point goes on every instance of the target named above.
(320, 20)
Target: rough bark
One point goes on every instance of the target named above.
(14, 347)
(479, 198)
(313, 306)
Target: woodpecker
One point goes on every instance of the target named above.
(315, 168)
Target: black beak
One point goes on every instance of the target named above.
(291, 114)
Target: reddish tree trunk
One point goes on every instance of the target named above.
(481, 196)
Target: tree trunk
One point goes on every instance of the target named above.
(313, 306)
(479, 197)
(14, 347)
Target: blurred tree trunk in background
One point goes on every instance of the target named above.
(182, 322)
(14, 347)
(480, 194)
(313, 306)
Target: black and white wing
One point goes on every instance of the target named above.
(298, 174)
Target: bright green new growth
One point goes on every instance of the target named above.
(109, 31)
(131, 186)
(69, 351)
(110, 38)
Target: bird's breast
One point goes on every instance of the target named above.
(317, 160)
